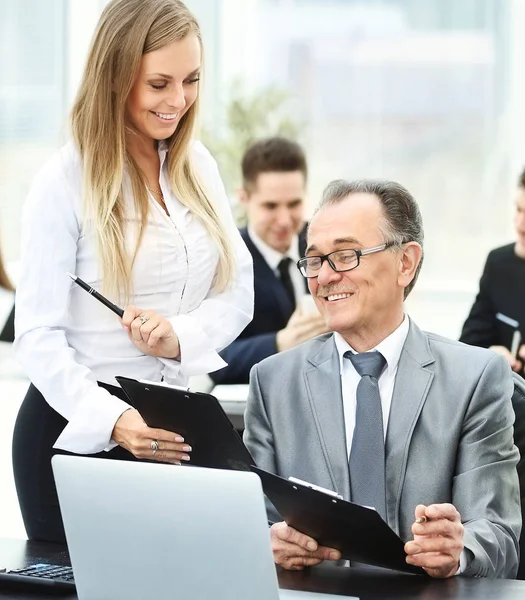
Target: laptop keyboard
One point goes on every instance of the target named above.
(41, 574)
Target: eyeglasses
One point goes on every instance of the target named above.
(339, 260)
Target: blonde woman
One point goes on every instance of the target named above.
(137, 209)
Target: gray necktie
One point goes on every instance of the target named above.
(367, 457)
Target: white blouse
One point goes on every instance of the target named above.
(67, 341)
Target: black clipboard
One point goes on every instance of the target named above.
(358, 532)
(198, 417)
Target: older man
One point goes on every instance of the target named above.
(411, 423)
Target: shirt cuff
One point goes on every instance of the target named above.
(171, 373)
(89, 429)
(197, 354)
(463, 562)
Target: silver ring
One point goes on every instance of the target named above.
(143, 319)
(154, 445)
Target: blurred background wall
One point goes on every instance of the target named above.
(426, 92)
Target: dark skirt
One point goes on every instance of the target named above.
(36, 429)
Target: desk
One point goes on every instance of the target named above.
(367, 584)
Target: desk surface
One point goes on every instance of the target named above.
(367, 584)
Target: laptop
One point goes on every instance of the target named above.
(197, 416)
(140, 530)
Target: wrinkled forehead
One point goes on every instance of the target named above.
(356, 220)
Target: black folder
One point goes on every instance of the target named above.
(198, 417)
(358, 532)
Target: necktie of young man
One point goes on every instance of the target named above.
(284, 273)
(367, 456)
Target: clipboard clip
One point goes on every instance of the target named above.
(318, 488)
(164, 384)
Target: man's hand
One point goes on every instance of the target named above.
(438, 542)
(295, 551)
(151, 333)
(515, 364)
(300, 328)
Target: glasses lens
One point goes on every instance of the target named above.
(341, 260)
(310, 266)
(344, 259)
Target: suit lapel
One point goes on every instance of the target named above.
(323, 385)
(266, 278)
(411, 388)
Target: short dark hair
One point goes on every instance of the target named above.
(274, 154)
(403, 221)
(521, 180)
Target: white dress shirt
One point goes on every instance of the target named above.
(67, 341)
(273, 258)
(390, 348)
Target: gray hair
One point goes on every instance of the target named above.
(402, 220)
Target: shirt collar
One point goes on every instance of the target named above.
(390, 347)
(162, 146)
(272, 256)
(162, 149)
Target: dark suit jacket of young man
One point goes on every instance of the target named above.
(272, 311)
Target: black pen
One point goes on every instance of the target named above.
(116, 309)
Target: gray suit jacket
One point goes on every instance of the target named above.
(449, 436)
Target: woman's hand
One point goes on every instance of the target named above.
(142, 441)
(151, 333)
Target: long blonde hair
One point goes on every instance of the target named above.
(127, 29)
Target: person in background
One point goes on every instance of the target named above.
(497, 317)
(389, 416)
(273, 192)
(7, 312)
(136, 208)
